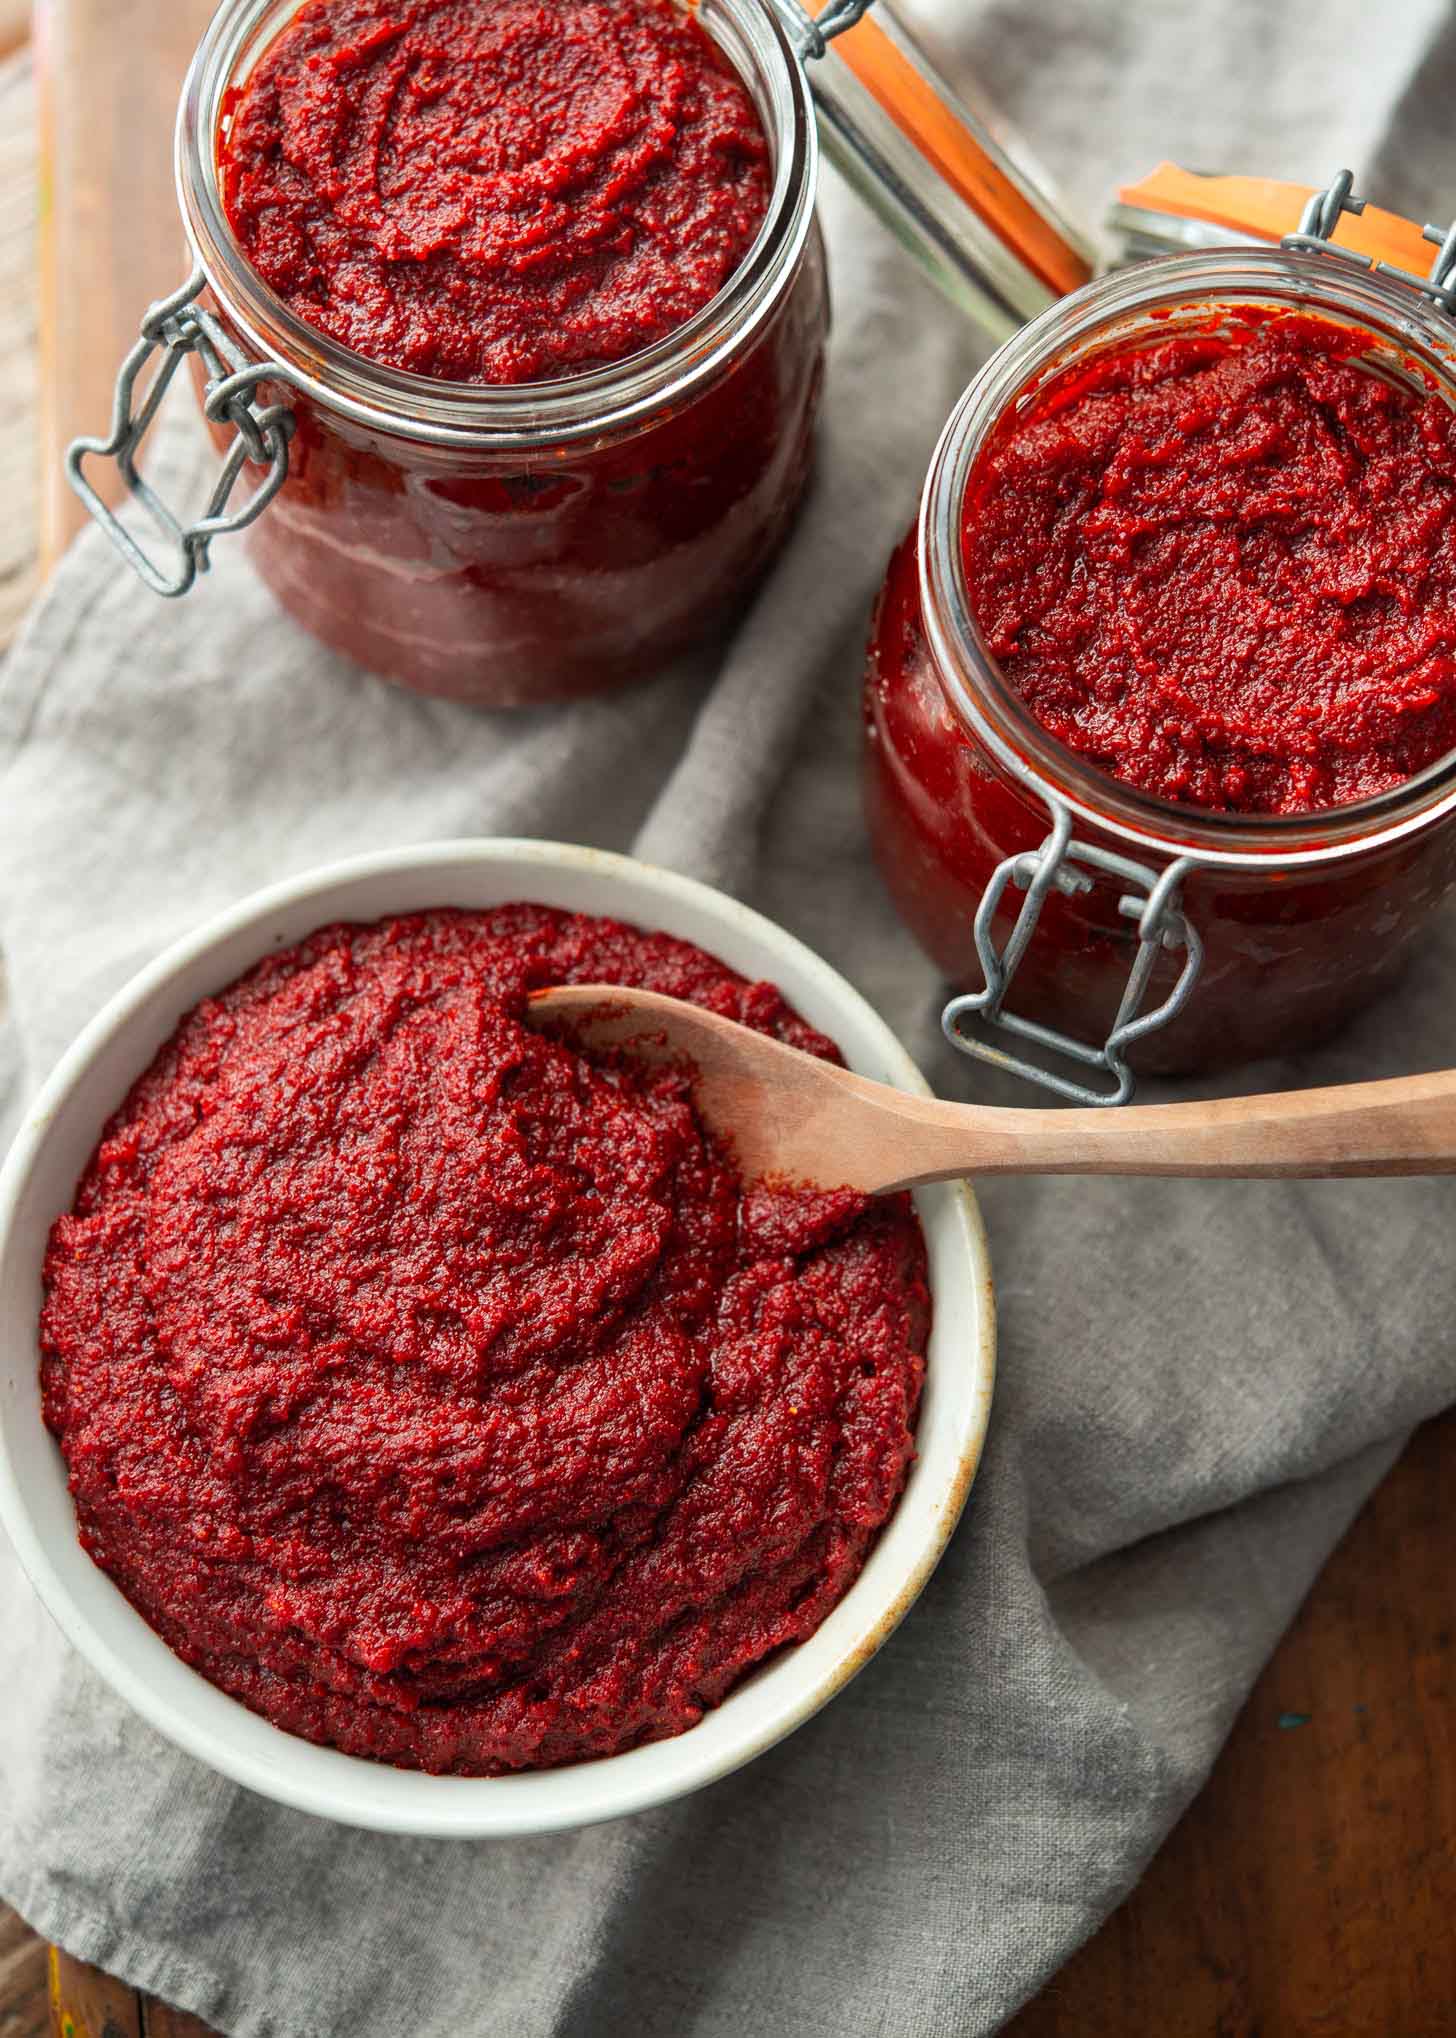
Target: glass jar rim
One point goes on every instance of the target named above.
(614, 400)
(977, 691)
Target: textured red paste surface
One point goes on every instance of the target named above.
(495, 190)
(1224, 568)
(445, 1396)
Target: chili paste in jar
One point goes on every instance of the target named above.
(496, 191)
(1223, 567)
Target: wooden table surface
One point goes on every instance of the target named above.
(1311, 1888)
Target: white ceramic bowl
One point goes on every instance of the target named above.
(38, 1181)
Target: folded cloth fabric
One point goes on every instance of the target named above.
(1199, 1382)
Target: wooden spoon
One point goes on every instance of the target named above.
(788, 1114)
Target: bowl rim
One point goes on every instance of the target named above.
(471, 1807)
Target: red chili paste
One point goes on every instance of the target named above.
(443, 1395)
(494, 190)
(1223, 567)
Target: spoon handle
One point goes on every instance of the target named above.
(1406, 1126)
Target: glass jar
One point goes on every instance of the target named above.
(508, 545)
(1069, 908)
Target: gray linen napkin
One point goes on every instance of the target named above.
(1199, 1383)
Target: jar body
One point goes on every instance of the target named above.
(1288, 957)
(510, 578)
(1302, 917)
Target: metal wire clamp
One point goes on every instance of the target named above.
(1071, 866)
(1320, 222)
(174, 328)
(812, 36)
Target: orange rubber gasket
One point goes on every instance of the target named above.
(1267, 210)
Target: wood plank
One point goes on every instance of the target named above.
(23, 1980)
(109, 74)
(85, 2003)
(19, 206)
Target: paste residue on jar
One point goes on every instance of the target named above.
(494, 191)
(1222, 566)
(445, 1395)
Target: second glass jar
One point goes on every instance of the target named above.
(1302, 918)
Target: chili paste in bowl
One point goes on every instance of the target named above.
(446, 1396)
